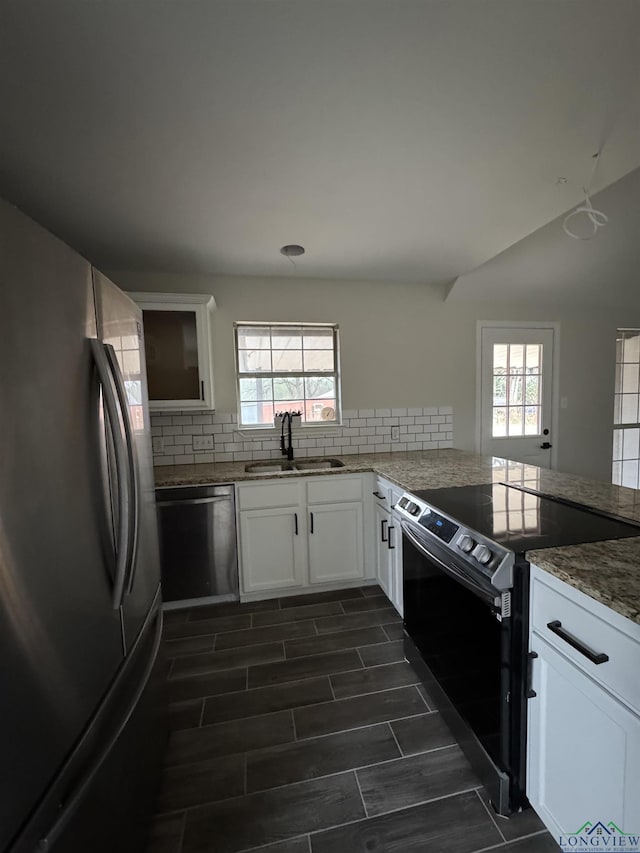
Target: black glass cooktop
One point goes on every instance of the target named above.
(522, 520)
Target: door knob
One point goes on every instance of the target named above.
(545, 445)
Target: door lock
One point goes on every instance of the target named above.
(545, 445)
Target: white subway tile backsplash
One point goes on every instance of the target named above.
(211, 429)
(193, 429)
(362, 431)
(202, 458)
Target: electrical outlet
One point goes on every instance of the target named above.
(203, 442)
(158, 444)
(395, 433)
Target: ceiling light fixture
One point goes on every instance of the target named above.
(292, 251)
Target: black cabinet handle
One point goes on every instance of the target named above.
(311, 519)
(383, 538)
(295, 521)
(389, 545)
(595, 657)
(530, 693)
(378, 495)
(202, 389)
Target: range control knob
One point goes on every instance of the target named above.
(481, 553)
(413, 509)
(466, 544)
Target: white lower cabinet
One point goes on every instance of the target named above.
(388, 542)
(383, 563)
(584, 755)
(271, 552)
(336, 542)
(298, 533)
(583, 739)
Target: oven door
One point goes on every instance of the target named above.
(464, 645)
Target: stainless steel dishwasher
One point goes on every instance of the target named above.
(198, 553)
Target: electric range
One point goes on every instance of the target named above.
(466, 610)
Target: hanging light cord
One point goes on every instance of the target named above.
(596, 218)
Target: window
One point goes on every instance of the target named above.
(626, 417)
(287, 367)
(517, 385)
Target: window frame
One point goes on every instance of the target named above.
(336, 374)
(620, 426)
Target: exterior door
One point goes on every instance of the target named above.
(120, 325)
(516, 393)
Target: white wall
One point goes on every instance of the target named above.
(402, 345)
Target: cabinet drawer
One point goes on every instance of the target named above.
(266, 495)
(332, 489)
(381, 493)
(592, 625)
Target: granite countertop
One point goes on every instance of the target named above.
(606, 571)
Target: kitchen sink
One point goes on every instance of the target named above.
(268, 467)
(296, 465)
(317, 464)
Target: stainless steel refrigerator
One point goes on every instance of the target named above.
(82, 722)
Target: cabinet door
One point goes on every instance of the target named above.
(394, 544)
(383, 555)
(271, 548)
(177, 350)
(583, 749)
(335, 542)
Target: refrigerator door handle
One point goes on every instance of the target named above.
(75, 797)
(122, 471)
(134, 507)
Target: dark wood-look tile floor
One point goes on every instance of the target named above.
(298, 727)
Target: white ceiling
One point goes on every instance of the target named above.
(551, 267)
(395, 139)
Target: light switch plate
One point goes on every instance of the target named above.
(203, 442)
(158, 444)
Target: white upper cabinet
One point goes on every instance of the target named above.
(178, 349)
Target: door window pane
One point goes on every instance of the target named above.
(517, 390)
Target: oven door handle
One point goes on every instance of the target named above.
(481, 591)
